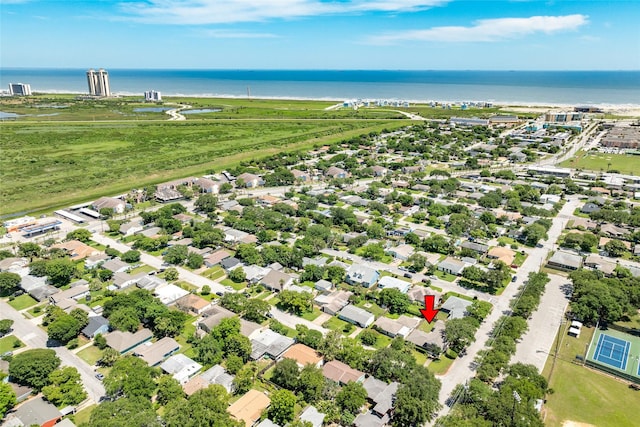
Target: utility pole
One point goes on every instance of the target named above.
(516, 399)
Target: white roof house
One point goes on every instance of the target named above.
(180, 367)
(386, 282)
(169, 293)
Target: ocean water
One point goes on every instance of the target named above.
(515, 87)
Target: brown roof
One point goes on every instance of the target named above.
(192, 302)
(340, 372)
(302, 354)
(123, 341)
(249, 407)
(77, 249)
(194, 384)
(505, 255)
(217, 256)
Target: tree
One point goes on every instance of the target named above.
(131, 256)
(5, 326)
(245, 378)
(65, 387)
(368, 337)
(64, 328)
(206, 203)
(194, 260)
(176, 254)
(238, 275)
(309, 337)
(208, 350)
(131, 377)
(234, 364)
(169, 389)
(394, 300)
(100, 341)
(233, 301)
(109, 357)
(81, 234)
(615, 248)
(239, 345)
(281, 410)
(416, 400)
(7, 398)
(60, 271)
(32, 367)
(171, 274)
(459, 333)
(533, 233)
(9, 283)
(125, 319)
(296, 302)
(351, 397)
(256, 310)
(29, 250)
(206, 407)
(373, 251)
(206, 290)
(136, 411)
(286, 374)
(335, 274)
(417, 263)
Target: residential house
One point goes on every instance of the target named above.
(95, 261)
(268, 343)
(276, 280)
(208, 185)
(589, 208)
(333, 302)
(181, 367)
(76, 249)
(230, 263)
(126, 341)
(13, 264)
(123, 280)
(313, 416)
(42, 293)
(303, 355)
(563, 260)
(401, 252)
(358, 274)
(387, 282)
(417, 294)
(169, 293)
(379, 170)
(325, 286)
(216, 257)
(452, 266)
(22, 392)
(116, 265)
(131, 228)
(476, 247)
(606, 265)
(300, 175)
(74, 293)
(456, 307)
(116, 205)
(614, 231)
(369, 419)
(155, 353)
(341, 373)
(212, 317)
(249, 407)
(432, 342)
(214, 375)
(250, 180)
(36, 411)
(149, 282)
(192, 303)
(381, 395)
(503, 254)
(336, 173)
(401, 326)
(356, 315)
(97, 325)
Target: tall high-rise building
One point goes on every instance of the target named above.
(19, 89)
(152, 96)
(98, 82)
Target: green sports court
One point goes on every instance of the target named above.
(615, 352)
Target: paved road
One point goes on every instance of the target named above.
(34, 337)
(156, 262)
(463, 368)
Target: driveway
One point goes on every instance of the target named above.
(34, 337)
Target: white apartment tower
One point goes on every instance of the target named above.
(98, 82)
(19, 89)
(152, 96)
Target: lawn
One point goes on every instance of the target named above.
(445, 276)
(82, 417)
(71, 162)
(144, 268)
(372, 307)
(237, 286)
(22, 302)
(335, 324)
(420, 357)
(382, 341)
(520, 258)
(90, 354)
(311, 316)
(585, 395)
(214, 273)
(37, 310)
(6, 343)
(623, 163)
(440, 366)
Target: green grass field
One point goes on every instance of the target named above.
(584, 395)
(22, 302)
(90, 354)
(7, 343)
(623, 163)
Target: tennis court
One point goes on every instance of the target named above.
(615, 352)
(612, 351)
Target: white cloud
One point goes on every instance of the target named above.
(199, 12)
(228, 34)
(488, 30)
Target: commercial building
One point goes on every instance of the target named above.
(98, 82)
(152, 96)
(19, 89)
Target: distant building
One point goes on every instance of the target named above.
(152, 96)
(98, 82)
(19, 89)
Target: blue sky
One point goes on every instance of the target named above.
(322, 34)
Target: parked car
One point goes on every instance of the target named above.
(514, 278)
(408, 275)
(100, 376)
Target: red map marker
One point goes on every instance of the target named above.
(428, 312)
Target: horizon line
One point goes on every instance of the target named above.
(330, 69)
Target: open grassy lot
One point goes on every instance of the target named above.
(440, 366)
(90, 354)
(382, 341)
(623, 163)
(7, 343)
(585, 395)
(72, 162)
(82, 417)
(22, 302)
